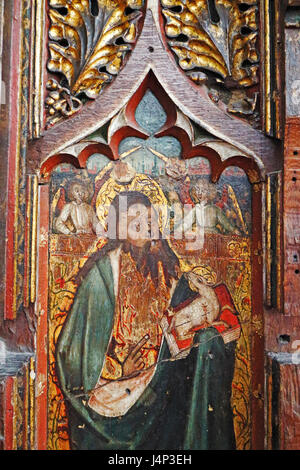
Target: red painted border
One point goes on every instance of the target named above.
(122, 133)
(55, 160)
(42, 327)
(99, 147)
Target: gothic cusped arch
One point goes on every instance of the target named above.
(192, 99)
(124, 125)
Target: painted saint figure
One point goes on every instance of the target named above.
(81, 215)
(123, 389)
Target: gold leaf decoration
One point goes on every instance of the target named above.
(217, 37)
(89, 40)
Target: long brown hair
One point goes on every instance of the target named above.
(147, 258)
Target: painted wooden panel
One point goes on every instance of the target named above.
(157, 281)
(210, 162)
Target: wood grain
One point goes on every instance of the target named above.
(278, 325)
(192, 99)
(283, 410)
(291, 218)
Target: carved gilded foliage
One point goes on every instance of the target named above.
(215, 42)
(88, 44)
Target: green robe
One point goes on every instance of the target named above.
(185, 406)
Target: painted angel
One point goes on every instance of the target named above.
(206, 212)
(78, 216)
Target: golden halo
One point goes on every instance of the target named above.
(141, 183)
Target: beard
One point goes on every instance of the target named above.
(151, 256)
(148, 259)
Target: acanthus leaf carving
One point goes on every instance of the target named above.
(88, 43)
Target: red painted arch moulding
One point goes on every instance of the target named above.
(170, 128)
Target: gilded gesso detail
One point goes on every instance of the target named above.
(239, 280)
(20, 401)
(61, 296)
(88, 44)
(20, 178)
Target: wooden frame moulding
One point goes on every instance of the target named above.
(148, 59)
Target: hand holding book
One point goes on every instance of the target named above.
(206, 306)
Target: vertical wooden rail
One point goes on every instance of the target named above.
(257, 340)
(42, 320)
(26, 404)
(9, 414)
(292, 218)
(13, 165)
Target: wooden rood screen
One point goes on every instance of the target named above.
(158, 101)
